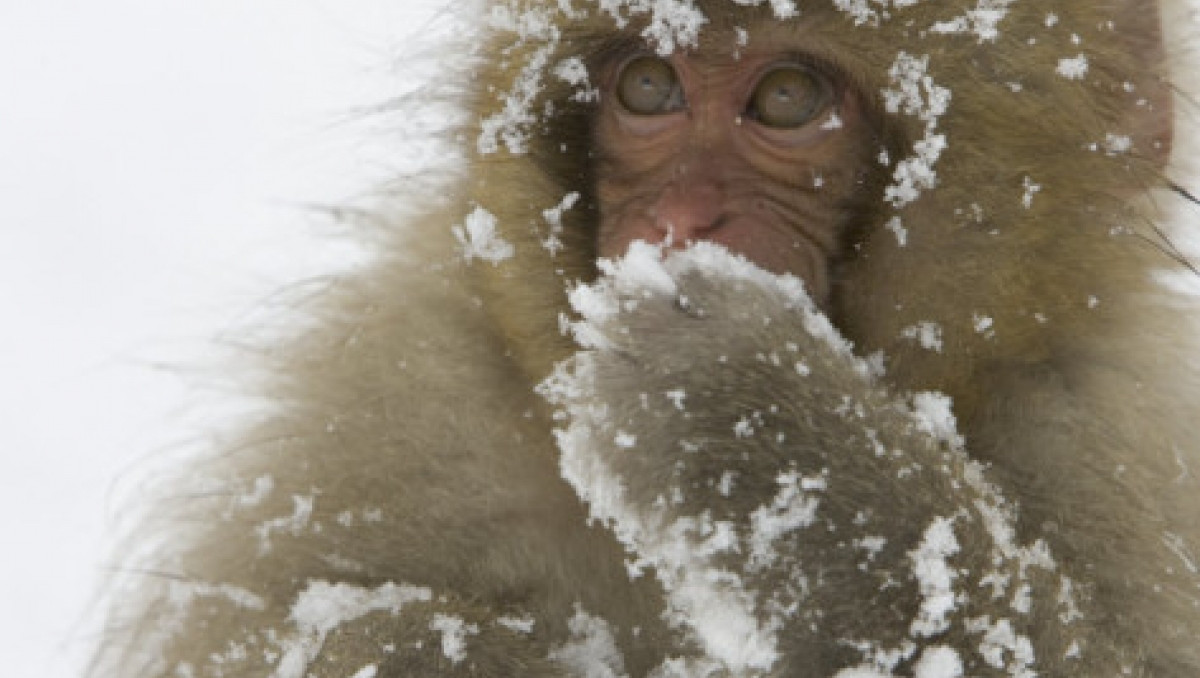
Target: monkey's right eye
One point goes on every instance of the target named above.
(648, 86)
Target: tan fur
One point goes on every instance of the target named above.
(407, 414)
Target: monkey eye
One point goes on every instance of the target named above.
(648, 86)
(789, 97)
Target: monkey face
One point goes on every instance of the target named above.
(759, 150)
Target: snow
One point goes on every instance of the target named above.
(454, 636)
(926, 333)
(1073, 68)
(592, 650)
(321, 607)
(913, 92)
(938, 662)
(935, 577)
(479, 240)
(159, 158)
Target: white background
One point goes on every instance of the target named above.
(155, 157)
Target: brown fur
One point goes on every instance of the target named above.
(407, 415)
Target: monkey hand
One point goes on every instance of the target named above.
(729, 437)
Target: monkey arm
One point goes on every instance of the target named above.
(801, 519)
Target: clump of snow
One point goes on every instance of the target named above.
(573, 71)
(454, 635)
(983, 324)
(794, 507)
(938, 661)
(302, 508)
(983, 21)
(935, 578)
(896, 226)
(674, 24)
(592, 651)
(913, 92)
(1003, 648)
(1117, 144)
(510, 126)
(322, 607)
(784, 9)
(517, 624)
(933, 415)
(926, 333)
(1073, 68)
(479, 239)
(1031, 189)
(553, 217)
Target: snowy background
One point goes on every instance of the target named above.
(155, 160)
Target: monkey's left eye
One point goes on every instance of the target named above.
(789, 97)
(649, 86)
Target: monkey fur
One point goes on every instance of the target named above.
(445, 483)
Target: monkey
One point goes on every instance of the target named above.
(822, 339)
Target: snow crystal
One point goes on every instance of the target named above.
(454, 635)
(479, 239)
(1073, 68)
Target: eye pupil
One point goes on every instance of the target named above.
(648, 86)
(789, 97)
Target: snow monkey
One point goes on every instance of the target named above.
(830, 339)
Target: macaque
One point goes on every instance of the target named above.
(823, 339)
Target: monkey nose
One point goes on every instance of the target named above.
(688, 212)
